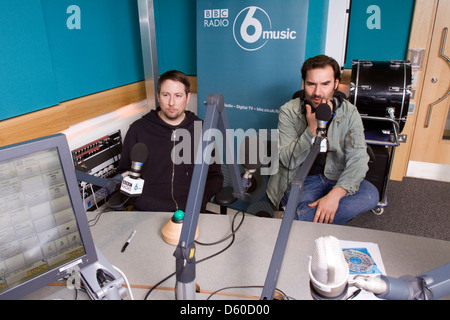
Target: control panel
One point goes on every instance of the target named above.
(100, 158)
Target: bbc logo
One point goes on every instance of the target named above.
(216, 13)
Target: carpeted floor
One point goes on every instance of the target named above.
(415, 206)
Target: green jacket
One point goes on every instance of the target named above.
(347, 158)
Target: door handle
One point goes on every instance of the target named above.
(430, 110)
(442, 54)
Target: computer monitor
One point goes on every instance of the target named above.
(44, 232)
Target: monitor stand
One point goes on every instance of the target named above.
(101, 280)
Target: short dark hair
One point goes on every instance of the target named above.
(321, 61)
(174, 75)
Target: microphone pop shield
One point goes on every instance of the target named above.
(138, 156)
(139, 152)
(328, 270)
(323, 112)
(323, 115)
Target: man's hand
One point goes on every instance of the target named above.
(311, 118)
(328, 205)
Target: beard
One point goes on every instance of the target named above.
(174, 118)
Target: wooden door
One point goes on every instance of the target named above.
(431, 144)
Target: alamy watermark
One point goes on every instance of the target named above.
(236, 146)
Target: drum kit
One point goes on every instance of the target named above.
(381, 91)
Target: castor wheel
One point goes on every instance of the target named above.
(378, 211)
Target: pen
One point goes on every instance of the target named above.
(128, 241)
(354, 294)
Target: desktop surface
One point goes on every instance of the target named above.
(148, 259)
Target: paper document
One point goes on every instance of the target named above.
(363, 258)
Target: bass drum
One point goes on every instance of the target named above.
(381, 89)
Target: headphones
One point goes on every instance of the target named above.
(340, 97)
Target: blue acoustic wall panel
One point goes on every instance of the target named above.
(27, 80)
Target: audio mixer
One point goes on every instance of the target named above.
(100, 158)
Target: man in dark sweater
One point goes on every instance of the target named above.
(167, 182)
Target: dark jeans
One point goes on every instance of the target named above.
(317, 186)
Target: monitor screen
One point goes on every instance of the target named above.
(43, 226)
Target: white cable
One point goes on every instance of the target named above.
(93, 195)
(126, 281)
(83, 184)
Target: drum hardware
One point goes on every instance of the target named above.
(381, 89)
(364, 62)
(391, 112)
(393, 141)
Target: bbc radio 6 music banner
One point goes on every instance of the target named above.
(251, 52)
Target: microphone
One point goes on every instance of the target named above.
(328, 270)
(138, 156)
(132, 185)
(323, 115)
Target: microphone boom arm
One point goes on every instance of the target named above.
(215, 117)
(108, 184)
(431, 285)
(286, 224)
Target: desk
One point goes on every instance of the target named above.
(148, 259)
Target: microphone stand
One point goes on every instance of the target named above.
(108, 184)
(289, 214)
(215, 117)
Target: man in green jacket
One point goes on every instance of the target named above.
(335, 190)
